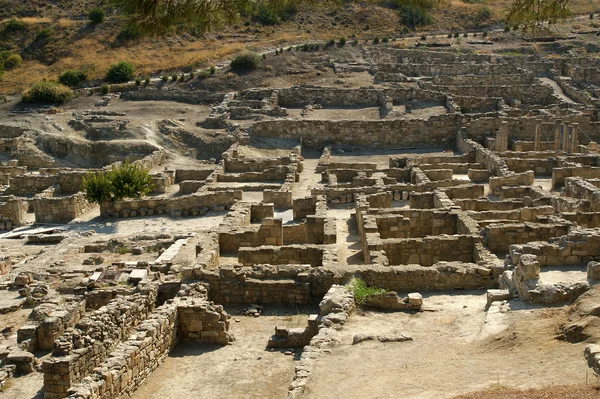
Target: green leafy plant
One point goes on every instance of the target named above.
(47, 93)
(165, 78)
(362, 291)
(14, 25)
(128, 180)
(12, 61)
(121, 72)
(104, 89)
(96, 15)
(212, 69)
(245, 62)
(72, 78)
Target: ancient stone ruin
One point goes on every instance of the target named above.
(453, 175)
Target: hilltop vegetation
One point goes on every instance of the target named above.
(64, 35)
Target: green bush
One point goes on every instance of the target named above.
(342, 42)
(138, 82)
(96, 16)
(165, 78)
(47, 93)
(362, 291)
(129, 32)
(484, 13)
(423, 36)
(104, 89)
(129, 180)
(204, 74)
(121, 72)
(376, 40)
(12, 61)
(174, 77)
(385, 40)
(72, 78)
(147, 81)
(44, 34)
(413, 16)
(14, 25)
(212, 70)
(245, 62)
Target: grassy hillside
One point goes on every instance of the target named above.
(54, 36)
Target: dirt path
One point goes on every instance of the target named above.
(348, 240)
(309, 177)
(244, 369)
(448, 355)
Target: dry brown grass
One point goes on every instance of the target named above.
(553, 392)
(31, 20)
(95, 52)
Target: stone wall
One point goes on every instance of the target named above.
(60, 209)
(190, 205)
(12, 212)
(426, 251)
(48, 321)
(499, 237)
(83, 348)
(371, 134)
(166, 94)
(282, 284)
(313, 255)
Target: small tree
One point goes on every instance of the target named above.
(128, 180)
(72, 78)
(96, 16)
(47, 93)
(121, 72)
(245, 62)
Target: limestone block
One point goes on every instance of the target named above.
(530, 267)
(415, 299)
(593, 271)
(496, 296)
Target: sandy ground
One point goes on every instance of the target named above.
(245, 369)
(449, 355)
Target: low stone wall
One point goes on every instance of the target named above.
(165, 94)
(499, 237)
(389, 300)
(283, 284)
(516, 179)
(83, 348)
(48, 321)
(29, 184)
(399, 133)
(579, 246)
(295, 337)
(193, 174)
(12, 212)
(426, 251)
(61, 209)
(133, 360)
(291, 254)
(190, 205)
(559, 175)
(441, 276)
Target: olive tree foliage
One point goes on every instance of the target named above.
(128, 180)
(160, 16)
(534, 15)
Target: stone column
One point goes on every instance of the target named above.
(574, 138)
(566, 130)
(537, 145)
(557, 131)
